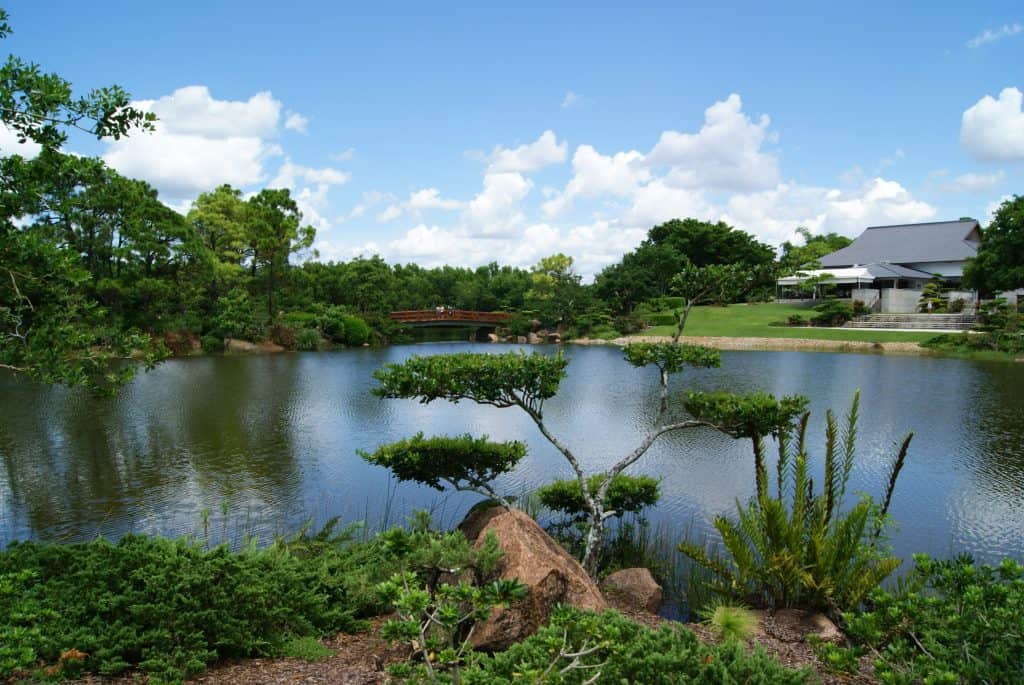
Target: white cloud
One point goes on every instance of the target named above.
(430, 198)
(297, 122)
(773, 215)
(309, 187)
(9, 144)
(391, 213)
(993, 129)
(496, 209)
(595, 174)
(974, 183)
(993, 207)
(571, 99)
(182, 166)
(345, 155)
(992, 35)
(369, 200)
(192, 110)
(529, 157)
(200, 142)
(725, 154)
(289, 175)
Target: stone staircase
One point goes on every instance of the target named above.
(916, 322)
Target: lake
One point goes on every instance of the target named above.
(265, 442)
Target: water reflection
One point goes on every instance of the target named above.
(273, 439)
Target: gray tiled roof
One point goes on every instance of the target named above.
(940, 241)
(896, 271)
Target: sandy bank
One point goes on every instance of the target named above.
(775, 344)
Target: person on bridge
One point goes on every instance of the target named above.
(439, 310)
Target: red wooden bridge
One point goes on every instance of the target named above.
(445, 316)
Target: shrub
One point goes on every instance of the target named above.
(810, 552)
(956, 305)
(660, 319)
(282, 335)
(832, 313)
(212, 343)
(578, 647)
(951, 622)
(795, 320)
(307, 340)
(233, 315)
(165, 607)
(357, 331)
(859, 308)
(627, 323)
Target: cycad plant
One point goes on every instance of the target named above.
(800, 548)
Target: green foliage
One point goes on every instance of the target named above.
(933, 294)
(729, 621)
(671, 357)
(234, 316)
(357, 331)
(999, 263)
(806, 256)
(1000, 328)
(834, 658)
(795, 320)
(832, 313)
(503, 380)
(952, 622)
(754, 415)
(801, 548)
(211, 344)
(307, 340)
(165, 607)
(626, 495)
(435, 622)
(464, 462)
(578, 647)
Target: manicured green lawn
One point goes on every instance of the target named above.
(754, 321)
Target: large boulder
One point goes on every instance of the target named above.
(550, 574)
(796, 625)
(636, 587)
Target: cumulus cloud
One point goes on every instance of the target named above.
(595, 174)
(773, 215)
(993, 129)
(200, 142)
(529, 157)
(992, 35)
(390, 213)
(430, 198)
(496, 209)
(296, 122)
(725, 154)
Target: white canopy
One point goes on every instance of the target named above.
(852, 274)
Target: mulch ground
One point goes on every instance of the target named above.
(361, 659)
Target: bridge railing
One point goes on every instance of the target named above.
(466, 315)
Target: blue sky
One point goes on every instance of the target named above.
(465, 133)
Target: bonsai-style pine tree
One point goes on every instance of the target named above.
(525, 381)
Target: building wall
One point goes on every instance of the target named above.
(869, 296)
(899, 301)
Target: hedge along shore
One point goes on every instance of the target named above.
(781, 344)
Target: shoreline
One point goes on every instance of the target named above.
(774, 344)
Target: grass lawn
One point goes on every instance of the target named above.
(754, 321)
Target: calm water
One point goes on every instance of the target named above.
(273, 440)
